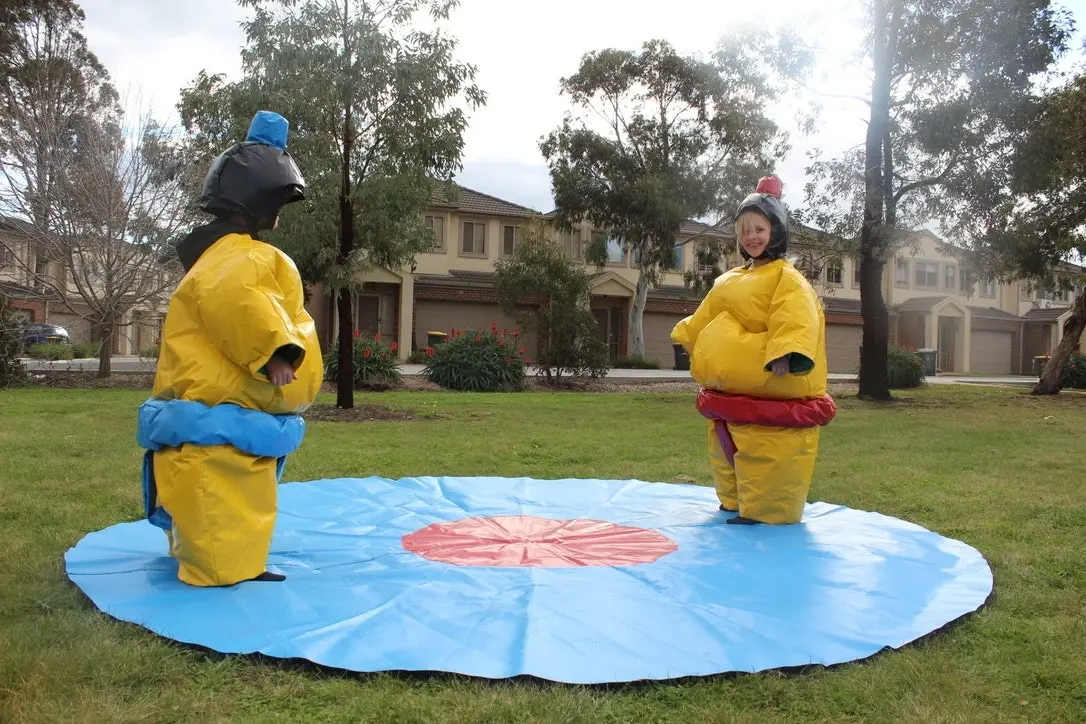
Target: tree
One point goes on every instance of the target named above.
(951, 84)
(12, 372)
(546, 292)
(95, 209)
(1041, 222)
(51, 86)
(681, 138)
(374, 124)
(112, 221)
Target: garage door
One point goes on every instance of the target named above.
(990, 352)
(657, 328)
(843, 347)
(431, 316)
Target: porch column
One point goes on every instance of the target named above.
(931, 330)
(404, 332)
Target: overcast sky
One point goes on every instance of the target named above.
(522, 50)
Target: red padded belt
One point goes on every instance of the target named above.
(744, 410)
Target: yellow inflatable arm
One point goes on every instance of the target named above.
(795, 317)
(246, 312)
(687, 330)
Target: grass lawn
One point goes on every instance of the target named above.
(995, 468)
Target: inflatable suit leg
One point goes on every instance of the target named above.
(223, 506)
(723, 472)
(774, 466)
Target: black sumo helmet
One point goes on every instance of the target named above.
(255, 178)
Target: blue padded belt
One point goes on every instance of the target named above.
(173, 423)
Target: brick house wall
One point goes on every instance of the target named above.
(35, 309)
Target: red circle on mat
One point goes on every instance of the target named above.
(524, 540)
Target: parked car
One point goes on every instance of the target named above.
(40, 333)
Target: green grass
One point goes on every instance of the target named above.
(996, 468)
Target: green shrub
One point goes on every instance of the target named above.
(12, 371)
(375, 363)
(905, 369)
(634, 362)
(573, 348)
(478, 361)
(417, 357)
(149, 353)
(86, 350)
(548, 293)
(51, 351)
(1074, 372)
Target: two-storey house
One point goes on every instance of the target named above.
(977, 325)
(31, 283)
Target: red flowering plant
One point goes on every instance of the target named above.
(376, 366)
(478, 360)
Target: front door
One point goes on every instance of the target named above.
(608, 325)
(948, 331)
(368, 313)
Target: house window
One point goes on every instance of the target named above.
(6, 256)
(616, 254)
(927, 274)
(571, 244)
(708, 268)
(987, 288)
(473, 240)
(835, 272)
(965, 280)
(950, 277)
(437, 227)
(94, 273)
(855, 273)
(901, 273)
(510, 237)
(677, 257)
(1056, 296)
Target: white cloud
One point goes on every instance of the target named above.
(522, 50)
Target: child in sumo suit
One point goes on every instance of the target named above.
(239, 361)
(757, 347)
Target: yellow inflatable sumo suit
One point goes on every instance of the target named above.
(239, 361)
(757, 346)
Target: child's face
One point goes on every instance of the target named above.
(754, 232)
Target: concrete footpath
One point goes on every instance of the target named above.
(139, 364)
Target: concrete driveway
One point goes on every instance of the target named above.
(118, 364)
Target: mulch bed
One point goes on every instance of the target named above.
(360, 413)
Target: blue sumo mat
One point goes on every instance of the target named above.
(578, 581)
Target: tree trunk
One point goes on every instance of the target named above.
(105, 352)
(345, 345)
(345, 378)
(874, 378)
(637, 316)
(1049, 384)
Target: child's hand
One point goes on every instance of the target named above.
(780, 366)
(280, 372)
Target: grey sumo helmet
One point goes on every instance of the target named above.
(766, 201)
